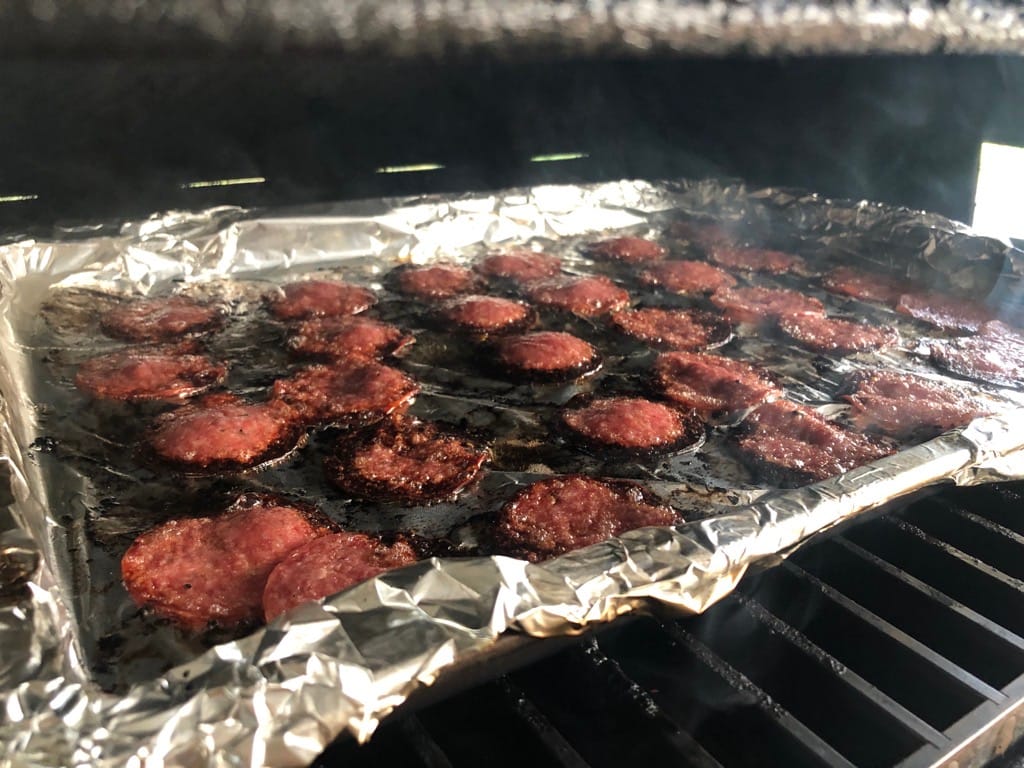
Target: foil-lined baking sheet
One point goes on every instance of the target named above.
(277, 696)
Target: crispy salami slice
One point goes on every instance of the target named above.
(212, 571)
(949, 312)
(712, 385)
(905, 406)
(791, 444)
(831, 336)
(628, 250)
(684, 329)
(405, 461)
(755, 304)
(560, 514)
(756, 260)
(687, 277)
(136, 374)
(320, 298)
(160, 319)
(583, 296)
(224, 434)
(546, 356)
(866, 286)
(346, 394)
(632, 425)
(347, 338)
(520, 266)
(486, 315)
(329, 565)
(433, 282)
(996, 356)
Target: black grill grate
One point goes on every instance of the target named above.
(896, 642)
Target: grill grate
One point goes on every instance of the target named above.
(896, 642)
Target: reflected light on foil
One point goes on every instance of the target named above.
(17, 198)
(999, 192)
(415, 168)
(559, 157)
(224, 182)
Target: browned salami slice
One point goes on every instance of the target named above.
(687, 277)
(346, 394)
(755, 304)
(486, 315)
(560, 514)
(212, 571)
(632, 425)
(831, 336)
(945, 311)
(996, 356)
(583, 296)
(224, 434)
(433, 282)
(712, 385)
(405, 461)
(684, 329)
(328, 565)
(320, 298)
(866, 286)
(546, 356)
(756, 260)
(628, 250)
(134, 374)
(160, 319)
(791, 444)
(347, 338)
(520, 266)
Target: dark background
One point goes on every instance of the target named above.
(109, 139)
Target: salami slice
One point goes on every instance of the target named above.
(160, 319)
(755, 304)
(583, 296)
(486, 315)
(520, 266)
(632, 425)
(561, 514)
(687, 277)
(832, 336)
(433, 282)
(136, 375)
(320, 298)
(347, 339)
(712, 385)
(627, 250)
(684, 329)
(546, 356)
(212, 571)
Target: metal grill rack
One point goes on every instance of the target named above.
(897, 642)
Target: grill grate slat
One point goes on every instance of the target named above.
(877, 697)
(556, 744)
(423, 743)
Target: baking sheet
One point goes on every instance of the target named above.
(280, 694)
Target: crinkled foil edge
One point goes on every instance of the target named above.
(279, 696)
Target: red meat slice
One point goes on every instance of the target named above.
(756, 260)
(827, 335)
(433, 282)
(683, 329)
(945, 311)
(628, 250)
(583, 296)
(347, 338)
(633, 424)
(754, 304)
(903, 406)
(405, 461)
(347, 394)
(160, 319)
(712, 385)
(687, 277)
(135, 375)
(560, 514)
(792, 444)
(320, 298)
(207, 571)
(995, 356)
(867, 286)
(223, 434)
(487, 315)
(546, 356)
(520, 266)
(329, 565)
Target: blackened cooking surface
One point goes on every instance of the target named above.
(92, 452)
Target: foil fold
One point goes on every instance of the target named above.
(280, 695)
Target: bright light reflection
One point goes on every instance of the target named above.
(558, 157)
(999, 195)
(17, 198)
(416, 168)
(224, 182)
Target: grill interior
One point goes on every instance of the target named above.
(895, 642)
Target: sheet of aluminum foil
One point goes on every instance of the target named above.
(407, 28)
(279, 695)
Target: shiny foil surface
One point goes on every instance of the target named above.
(279, 695)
